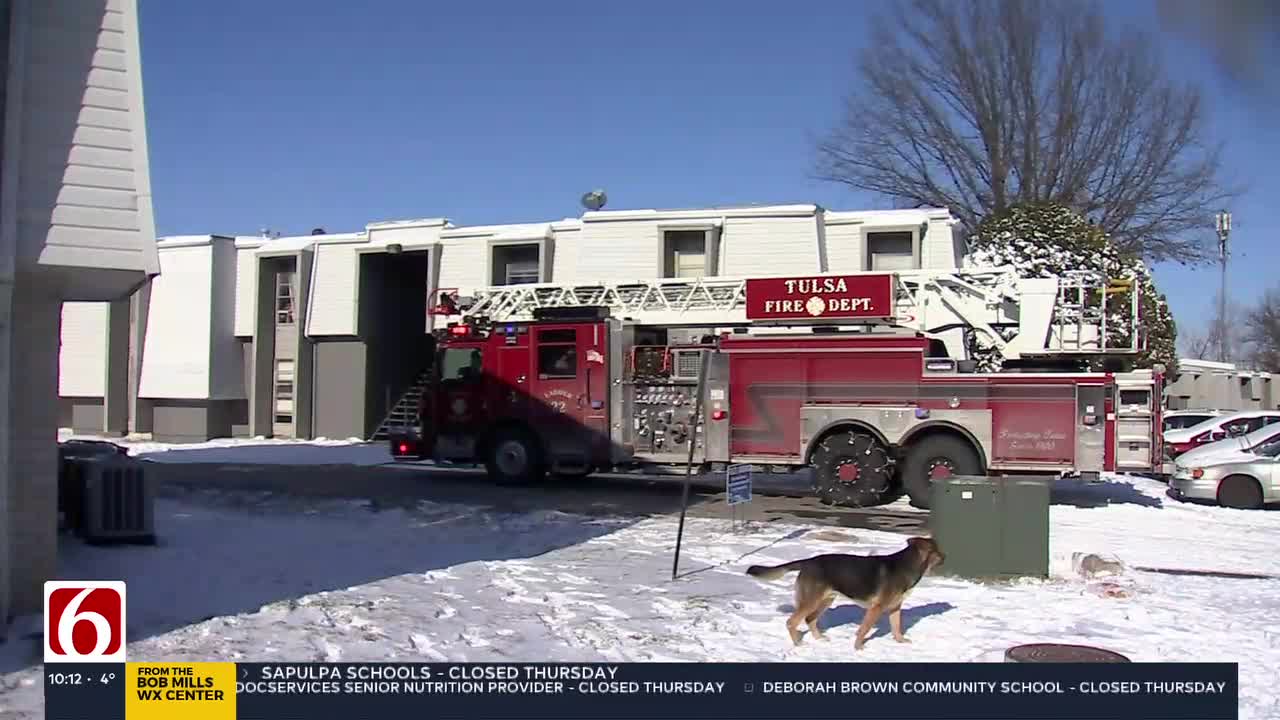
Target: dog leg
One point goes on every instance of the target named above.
(868, 623)
(812, 619)
(808, 599)
(895, 623)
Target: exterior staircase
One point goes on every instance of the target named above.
(404, 412)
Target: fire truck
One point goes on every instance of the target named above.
(869, 380)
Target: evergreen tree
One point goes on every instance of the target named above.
(1050, 240)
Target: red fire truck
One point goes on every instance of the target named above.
(864, 378)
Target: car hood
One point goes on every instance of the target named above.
(1212, 455)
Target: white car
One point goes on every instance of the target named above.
(1179, 419)
(1177, 442)
(1239, 448)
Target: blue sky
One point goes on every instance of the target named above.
(293, 115)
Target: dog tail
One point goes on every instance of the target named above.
(773, 572)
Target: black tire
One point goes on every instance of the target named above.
(949, 452)
(853, 469)
(514, 457)
(1240, 492)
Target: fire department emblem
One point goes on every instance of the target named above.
(593, 356)
(459, 406)
(816, 306)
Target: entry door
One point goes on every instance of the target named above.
(510, 392)
(1091, 428)
(569, 393)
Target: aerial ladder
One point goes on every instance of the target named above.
(1079, 313)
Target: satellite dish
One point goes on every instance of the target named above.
(594, 200)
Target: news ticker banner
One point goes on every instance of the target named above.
(270, 691)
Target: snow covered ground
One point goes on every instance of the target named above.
(240, 577)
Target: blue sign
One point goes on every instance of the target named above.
(737, 484)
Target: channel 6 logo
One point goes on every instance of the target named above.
(84, 621)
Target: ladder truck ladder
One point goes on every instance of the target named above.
(1018, 317)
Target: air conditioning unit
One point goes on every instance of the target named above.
(118, 500)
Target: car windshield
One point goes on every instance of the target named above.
(1178, 422)
(1204, 425)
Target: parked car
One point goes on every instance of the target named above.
(1240, 447)
(1179, 419)
(1237, 482)
(1177, 442)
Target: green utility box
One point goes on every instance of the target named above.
(991, 527)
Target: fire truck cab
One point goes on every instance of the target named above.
(873, 409)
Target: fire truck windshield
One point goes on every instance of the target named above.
(460, 364)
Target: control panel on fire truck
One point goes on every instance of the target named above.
(663, 399)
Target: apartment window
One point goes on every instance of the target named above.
(284, 392)
(516, 264)
(285, 296)
(891, 251)
(685, 254)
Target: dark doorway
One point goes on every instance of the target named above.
(393, 325)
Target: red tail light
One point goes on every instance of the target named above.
(719, 415)
(404, 448)
(458, 330)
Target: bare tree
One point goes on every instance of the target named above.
(978, 105)
(1221, 338)
(1241, 36)
(1196, 344)
(1262, 332)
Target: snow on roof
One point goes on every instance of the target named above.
(419, 222)
(176, 241)
(734, 211)
(517, 231)
(905, 215)
(1193, 364)
(297, 243)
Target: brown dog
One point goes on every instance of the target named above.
(878, 583)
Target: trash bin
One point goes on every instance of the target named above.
(991, 527)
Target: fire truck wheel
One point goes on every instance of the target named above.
(1240, 492)
(514, 458)
(933, 457)
(852, 469)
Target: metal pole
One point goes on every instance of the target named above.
(688, 468)
(1224, 233)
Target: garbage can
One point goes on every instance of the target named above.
(991, 527)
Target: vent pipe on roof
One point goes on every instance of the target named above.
(318, 231)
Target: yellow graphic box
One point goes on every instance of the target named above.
(191, 691)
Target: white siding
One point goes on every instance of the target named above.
(462, 263)
(246, 290)
(564, 258)
(176, 362)
(844, 247)
(618, 250)
(755, 246)
(938, 246)
(85, 195)
(334, 284)
(410, 236)
(227, 371)
(82, 360)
